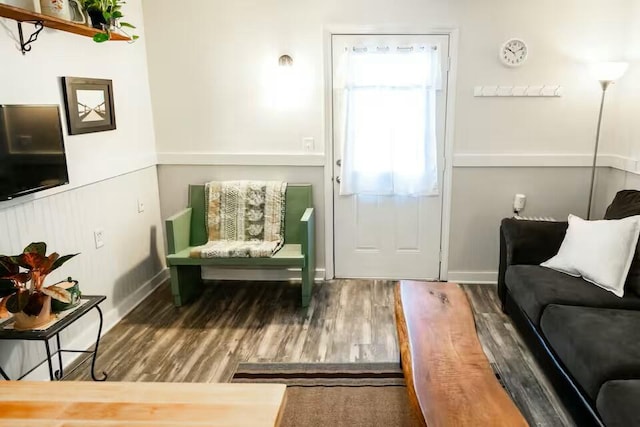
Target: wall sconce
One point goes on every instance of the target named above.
(285, 84)
(285, 61)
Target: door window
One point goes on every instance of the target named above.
(386, 100)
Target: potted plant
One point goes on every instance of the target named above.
(106, 16)
(22, 290)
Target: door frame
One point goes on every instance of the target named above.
(449, 128)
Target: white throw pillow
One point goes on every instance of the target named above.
(599, 251)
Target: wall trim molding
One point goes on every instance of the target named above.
(626, 164)
(460, 160)
(111, 318)
(473, 277)
(6, 204)
(471, 160)
(242, 159)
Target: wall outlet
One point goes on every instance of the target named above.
(140, 206)
(519, 202)
(98, 237)
(308, 143)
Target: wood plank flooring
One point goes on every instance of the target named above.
(347, 321)
(511, 359)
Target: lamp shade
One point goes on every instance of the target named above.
(608, 71)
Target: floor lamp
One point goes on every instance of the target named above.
(606, 73)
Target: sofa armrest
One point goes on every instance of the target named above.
(178, 229)
(527, 242)
(308, 229)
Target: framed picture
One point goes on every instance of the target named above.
(89, 105)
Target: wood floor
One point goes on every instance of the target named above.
(511, 359)
(347, 321)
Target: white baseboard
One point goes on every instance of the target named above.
(473, 277)
(110, 319)
(289, 275)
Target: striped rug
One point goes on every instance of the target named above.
(337, 394)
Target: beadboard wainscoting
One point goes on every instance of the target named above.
(125, 269)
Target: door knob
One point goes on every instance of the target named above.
(338, 180)
(339, 162)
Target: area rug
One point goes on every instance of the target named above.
(326, 394)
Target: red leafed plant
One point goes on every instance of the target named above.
(22, 279)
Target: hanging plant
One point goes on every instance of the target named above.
(22, 277)
(106, 15)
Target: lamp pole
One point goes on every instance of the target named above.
(605, 85)
(606, 73)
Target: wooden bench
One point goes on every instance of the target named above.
(448, 376)
(187, 229)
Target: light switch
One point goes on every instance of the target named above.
(308, 143)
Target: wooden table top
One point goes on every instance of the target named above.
(448, 376)
(92, 404)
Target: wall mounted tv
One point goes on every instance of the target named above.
(32, 156)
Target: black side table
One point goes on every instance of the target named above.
(54, 331)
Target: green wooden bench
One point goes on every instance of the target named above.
(188, 229)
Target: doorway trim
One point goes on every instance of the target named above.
(453, 34)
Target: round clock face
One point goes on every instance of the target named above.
(513, 53)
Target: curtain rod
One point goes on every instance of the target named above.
(387, 48)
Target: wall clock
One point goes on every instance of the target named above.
(513, 52)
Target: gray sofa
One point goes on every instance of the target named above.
(587, 339)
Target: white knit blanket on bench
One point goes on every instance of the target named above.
(244, 219)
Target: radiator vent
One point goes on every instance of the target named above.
(535, 218)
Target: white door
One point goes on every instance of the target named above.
(388, 236)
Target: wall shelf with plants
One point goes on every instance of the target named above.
(40, 21)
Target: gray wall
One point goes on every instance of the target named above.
(174, 179)
(621, 180)
(483, 196)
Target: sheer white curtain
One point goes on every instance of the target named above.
(386, 120)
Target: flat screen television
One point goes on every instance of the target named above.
(32, 156)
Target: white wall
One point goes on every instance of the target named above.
(623, 106)
(35, 79)
(230, 50)
(223, 103)
(109, 172)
